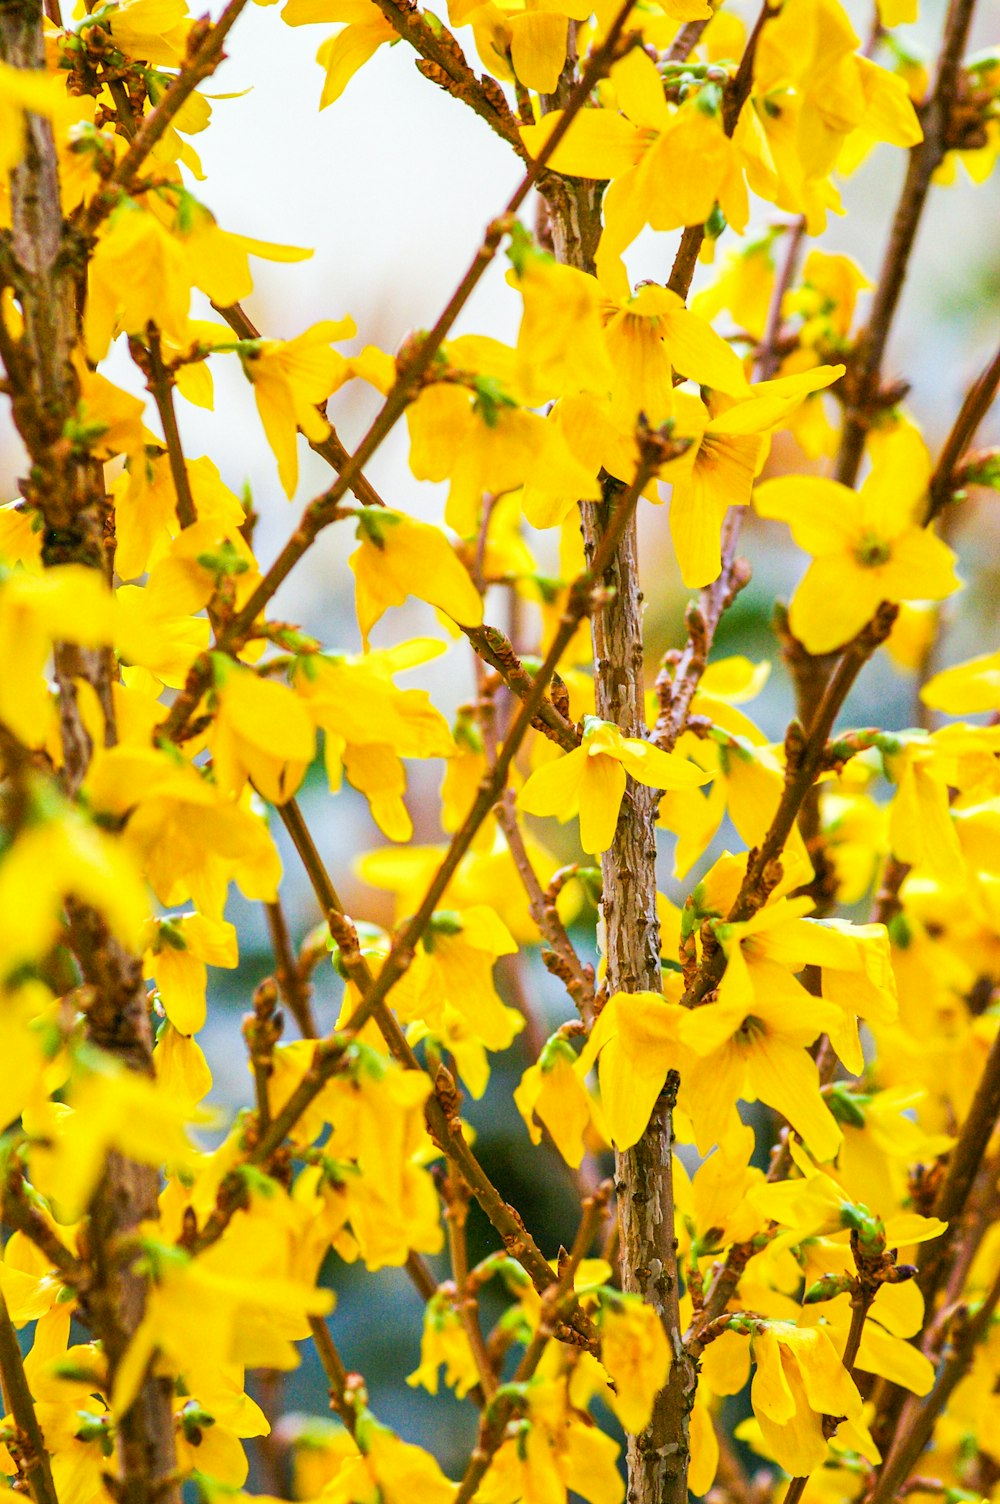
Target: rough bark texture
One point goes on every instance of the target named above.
(44, 263)
(658, 1459)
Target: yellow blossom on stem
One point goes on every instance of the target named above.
(553, 1091)
(290, 378)
(636, 1353)
(590, 780)
(635, 1042)
(868, 546)
(399, 557)
(262, 731)
(799, 1379)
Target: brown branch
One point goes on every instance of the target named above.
(978, 400)
(446, 65)
(577, 977)
(160, 384)
(409, 376)
(913, 1436)
(863, 380)
(557, 1301)
(295, 990)
(345, 1387)
(205, 43)
(456, 1194)
(30, 1450)
(495, 648)
(737, 94)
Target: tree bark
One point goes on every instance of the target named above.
(658, 1459)
(43, 261)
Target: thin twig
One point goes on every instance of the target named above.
(160, 384)
(205, 53)
(862, 382)
(978, 400)
(33, 1455)
(408, 379)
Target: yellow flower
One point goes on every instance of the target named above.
(553, 1091)
(110, 1107)
(590, 780)
(200, 1315)
(68, 603)
(57, 854)
(719, 470)
(177, 956)
(635, 1041)
(399, 557)
(262, 731)
(23, 89)
(444, 1341)
(189, 841)
(350, 47)
(370, 724)
(751, 1043)
(635, 1352)
(560, 345)
(798, 1380)
(967, 688)
(867, 546)
(138, 274)
(388, 1471)
(453, 972)
(290, 378)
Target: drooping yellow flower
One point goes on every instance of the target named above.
(262, 731)
(636, 1353)
(370, 724)
(188, 839)
(719, 469)
(398, 557)
(290, 378)
(798, 1380)
(388, 1471)
(444, 1343)
(590, 780)
(68, 603)
(21, 90)
(202, 1314)
(751, 1043)
(359, 38)
(177, 956)
(553, 1091)
(109, 1107)
(58, 854)
(867, 546)
(453, 972)
(635, 1041)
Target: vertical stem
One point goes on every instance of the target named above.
(32, 1452)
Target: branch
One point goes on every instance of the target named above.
(862, 383)
(978, 400)
(205, 43)
(496, 649)
(31, 1453)
(160, 383)
(445, 64)
(409, 376)
(914, 1436)
(737, 95)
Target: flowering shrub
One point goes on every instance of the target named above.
(838, 1255)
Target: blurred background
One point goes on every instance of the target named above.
(393, 186)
